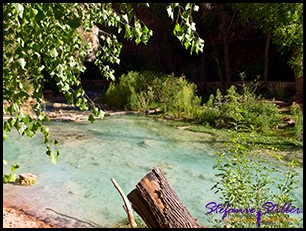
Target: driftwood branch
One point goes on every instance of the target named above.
(158, 204)
(127, 207)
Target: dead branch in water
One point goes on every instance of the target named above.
(127, 206)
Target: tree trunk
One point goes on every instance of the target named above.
(158, 205)
(267, 58)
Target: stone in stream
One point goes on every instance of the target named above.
(27, 179)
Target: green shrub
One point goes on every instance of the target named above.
(178, 97)
(241, 111)
(175, 96)
(209, 113)
(135, 91)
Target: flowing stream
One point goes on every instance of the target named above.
(78, 192)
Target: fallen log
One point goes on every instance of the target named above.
(158, 205)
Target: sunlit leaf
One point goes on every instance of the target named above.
(170, 12)
(19, 9)
(12, 177)
(195, 8)
(22, 62)
(54, 53)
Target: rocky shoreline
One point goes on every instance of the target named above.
(64, 112)
(17, 218)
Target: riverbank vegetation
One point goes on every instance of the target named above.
(239, 108)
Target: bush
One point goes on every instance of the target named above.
(241, 111)
(178, 97)
(135, 91)
(141, 91)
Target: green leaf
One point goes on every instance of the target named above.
(54, 157)
(12, 177)
(101, 114)
(54, 53)
(29, 132)
(196, 8)
(5, 162)
(19, 9)
(84, 107)
(44, 130)
(69, 98)
(22, 62)
(170, 12)
(95, 110)
(46, 139)
(188, 6)
(145, 30)
(26, 119)
(138, 40)
(125, 17)
(17, 125)
(34, 11)
(20, 41)
(41, 68)
(91, 118)
(41, 13)
(187, 44)
(14, 167)
(180, 36)
(41, 117)
(185, 15)
(177, 30)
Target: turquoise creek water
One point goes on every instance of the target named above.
(78, 192)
